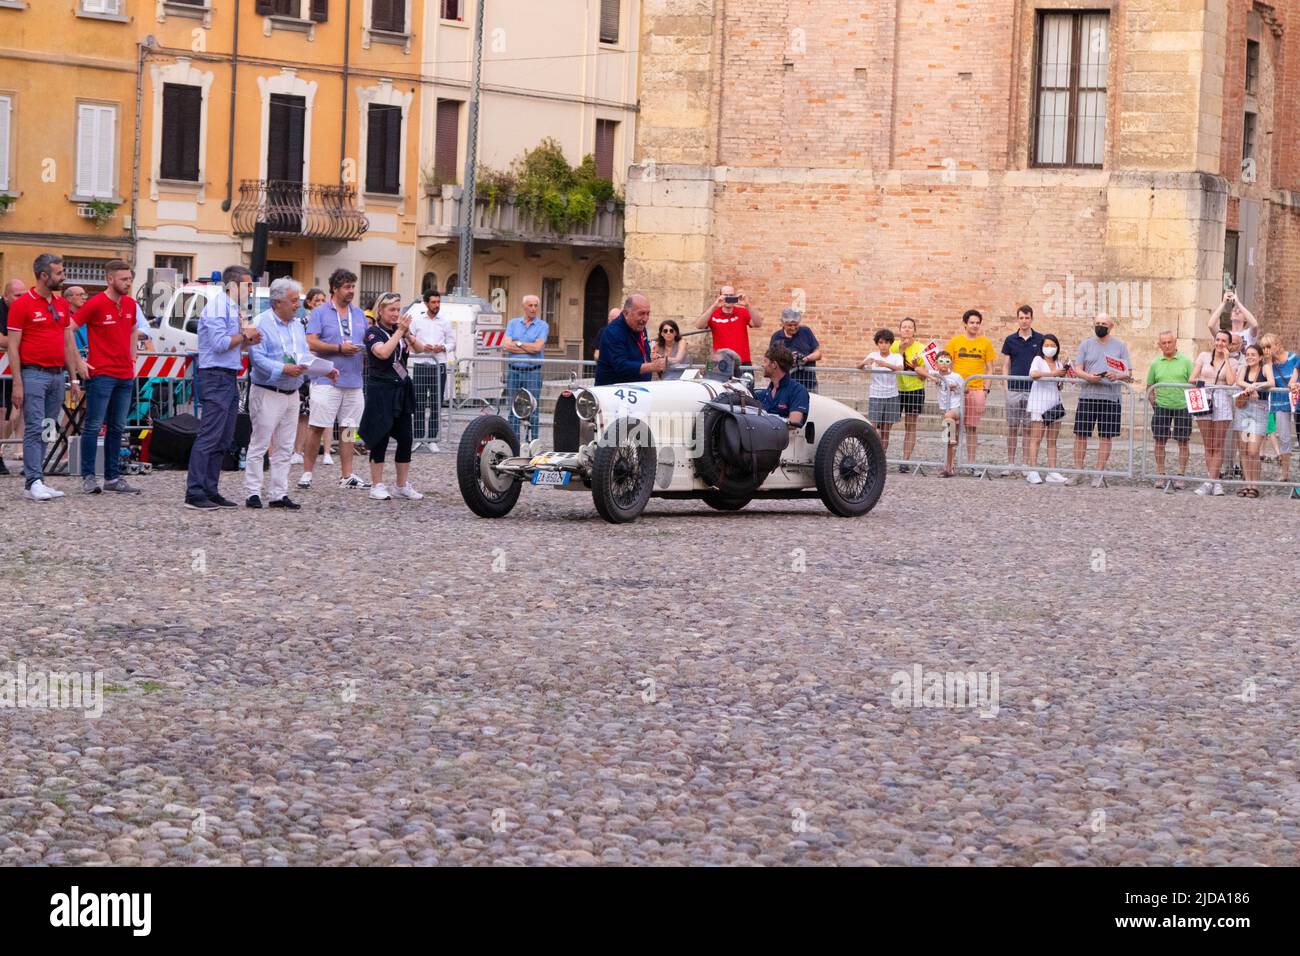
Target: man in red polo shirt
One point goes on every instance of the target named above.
(110, 321)
(40, 348)
(730, 318)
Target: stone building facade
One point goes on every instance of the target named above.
(875, 159)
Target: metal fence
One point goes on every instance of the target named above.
(1244, 447)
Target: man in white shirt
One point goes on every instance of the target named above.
(429, 369)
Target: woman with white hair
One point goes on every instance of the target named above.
(390, 396)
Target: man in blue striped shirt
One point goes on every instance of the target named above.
(222, 339)
(523, 345)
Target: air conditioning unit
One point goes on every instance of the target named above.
(86, 211)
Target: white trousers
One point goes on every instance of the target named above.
(275, 425)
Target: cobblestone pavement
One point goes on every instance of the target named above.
(401, 682)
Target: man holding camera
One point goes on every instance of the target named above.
(730, 318)
(1240, 322)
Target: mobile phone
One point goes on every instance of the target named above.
(731, 299)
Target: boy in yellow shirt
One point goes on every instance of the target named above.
(972, 354)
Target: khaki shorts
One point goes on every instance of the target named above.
(1018, 409)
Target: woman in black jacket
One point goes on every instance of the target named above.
(390, 396)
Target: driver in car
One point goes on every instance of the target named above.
(783, 396)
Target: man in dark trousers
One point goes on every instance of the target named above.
(223, 336)
(624, 348)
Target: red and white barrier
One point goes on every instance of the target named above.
(147, 365)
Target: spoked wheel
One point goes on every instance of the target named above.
(487, 441)
(850, 468)
(623, 473)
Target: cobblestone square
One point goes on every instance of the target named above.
(371, 682)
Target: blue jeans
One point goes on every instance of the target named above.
(42, 399)
(111, 397)
(531, 379)
(216, 431)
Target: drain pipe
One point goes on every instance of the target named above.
(343, 119)
(234, 82)
(146, 45)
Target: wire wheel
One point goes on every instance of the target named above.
(849, 468)
(623, 472)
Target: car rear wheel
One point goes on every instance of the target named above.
(849, 468)
(487, 441)
(623, 472)
(720, 502)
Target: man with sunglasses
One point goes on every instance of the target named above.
(336, 331)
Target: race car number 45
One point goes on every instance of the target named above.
(558, 478)
(632, 401)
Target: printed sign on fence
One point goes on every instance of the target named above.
(1198, 400)
(931, 356)
(1117, 364)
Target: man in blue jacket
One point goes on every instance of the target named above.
(624, 348)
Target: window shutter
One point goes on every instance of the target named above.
(447, 144)
(375, 148)
(106, 141)
(96, 134)
(6, 105)
(388, 15)
(605, 148)
(101, 6)
(320, 10)
(182, 112)
(263, 7)
(609, 17)
(393, 150)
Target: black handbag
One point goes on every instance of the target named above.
(1054, 414)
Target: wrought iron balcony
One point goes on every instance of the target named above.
(506, 221)
(311, 210)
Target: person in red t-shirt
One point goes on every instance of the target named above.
(40, 347)
(730, 318)
(109, 318)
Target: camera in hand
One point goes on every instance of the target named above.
(731, 299)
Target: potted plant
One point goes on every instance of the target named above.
(103, 210)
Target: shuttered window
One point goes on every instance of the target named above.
(96, 144)
(375, 281)
(6, 111)
(451, 10)
(320, 10)
(284, 140)
(384, 149)
(111, 7)
(605, 130)
(447, 145)
(388, 15)
(609, 17)
(278, 8)
(182, 112)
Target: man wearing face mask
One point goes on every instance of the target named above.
(1102, 362)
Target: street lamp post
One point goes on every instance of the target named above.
(471, 162)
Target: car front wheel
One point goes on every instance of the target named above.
(488, 440)
(849, 468)
(623, 472)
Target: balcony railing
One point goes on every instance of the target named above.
(311, 210)
(506, 221)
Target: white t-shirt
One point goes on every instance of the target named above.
(1044, 393)
(884, 383)
(435, 331)
(949, 391)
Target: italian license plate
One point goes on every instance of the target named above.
(559, 479)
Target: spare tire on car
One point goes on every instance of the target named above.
(739, 445)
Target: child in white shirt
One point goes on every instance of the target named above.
(950, 402)
(884, 407)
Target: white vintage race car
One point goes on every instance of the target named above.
(700, 436)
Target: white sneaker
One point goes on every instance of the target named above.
(40, 491)
(1204, 489)
(305, 480)
(380, 493)
(353, 481)
(1033, 478)
(295, 459)
(433, 446)
(1098, 481)
(406, 491)
(1218, 490)
(1055, 478)
(329, 459)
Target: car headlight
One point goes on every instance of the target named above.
(523, 404)
(586, 405)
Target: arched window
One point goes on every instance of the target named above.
(430, 281)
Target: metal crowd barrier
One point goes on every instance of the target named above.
(479, 386)
(989, 453)
(1208, 444)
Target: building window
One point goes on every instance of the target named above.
(605, 132)
(453, 281)
(79, 270)
(430, 281)
(182, 115)
(551, 309)
(446, 147)
(107, 8)
(499, 293)
(6, 112)
(388, 16)
(1231, 240)
(1070, 89)
(1248, 135)
(452, 10)
(375, 281)
(184, 266)
(384, 149)
(610, 11)
(96, 150)
(1252, 66)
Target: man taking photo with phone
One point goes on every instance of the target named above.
(730, 318)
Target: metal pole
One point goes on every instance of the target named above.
(463, 284)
